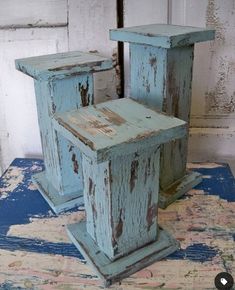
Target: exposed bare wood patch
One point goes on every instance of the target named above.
(112, 117)
(134, 172)
(151, 212)
(76, 134)
(119, 227)
(153, 64)
(85, 97)
(75, 163)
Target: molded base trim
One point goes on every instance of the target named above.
(179, 188)
(58, 203)
(113, 271)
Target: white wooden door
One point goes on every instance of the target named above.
(213, 97)
(27, 28)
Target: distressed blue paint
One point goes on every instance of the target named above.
(63, 82)
(115, 270)
(118, 127)
(61, 65)
(120, 142)
(148, 83)
(196, 252)
(12, 243)
(161, 61)
(21, 205)
(222, 182)
(163, 35)
(9, 286)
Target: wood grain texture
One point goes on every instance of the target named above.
(62, 82)
(162, 79)
(62, 160)
(115, 271)
(161, 60)
(36, 252)
(162, 35)
(121, 198)
(62, 65)
(117, 128)
(121, 189)
(177, 102)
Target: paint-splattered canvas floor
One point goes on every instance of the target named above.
(35, 252)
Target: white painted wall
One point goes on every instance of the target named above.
(89, 24)
(31, 27)
(27, 28)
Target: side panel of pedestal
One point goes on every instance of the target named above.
(148, 67)
(177, 103)
(161, 78)
(62, 160)
(122, 208)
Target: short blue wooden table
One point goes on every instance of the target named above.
(35, 252)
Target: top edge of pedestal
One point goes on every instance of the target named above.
(62, 65)
(163, 35)
(116, 127)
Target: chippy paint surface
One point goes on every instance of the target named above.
(161, 60)
(35, 252)
(62, 65)
(63, 82)
(162, 79)
(111, 271)
(121, 209)
(121, 176)
(117, 127)
(163, 35)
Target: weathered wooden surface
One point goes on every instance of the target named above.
(161, 61)
(117, 127)
(62, 65)
(62, 82)
(121, 197)
(162, 35)
(36, 252)
(120, 161)
(114, 271)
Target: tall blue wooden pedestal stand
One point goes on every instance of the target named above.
(63, 82)
(120, 160)
(161, 61)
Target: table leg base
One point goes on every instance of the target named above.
(113, 271)
(179, 188)
(58, 203)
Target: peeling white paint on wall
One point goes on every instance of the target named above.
(213, 94)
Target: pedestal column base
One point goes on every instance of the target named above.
(58, 203)
(113, 271)
(179, 188)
